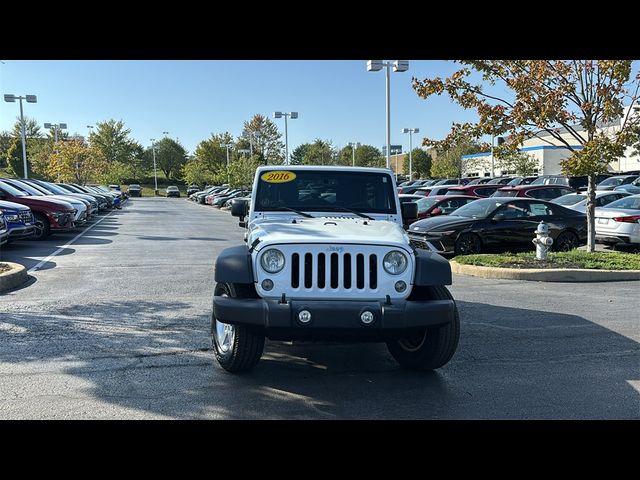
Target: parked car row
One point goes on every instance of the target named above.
(506, 221)
(34, 209)
(219, 197)
(603, 182)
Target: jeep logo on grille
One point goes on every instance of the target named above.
(335, 249)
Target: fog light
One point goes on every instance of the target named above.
(366, 317)
(304, 316)
(400, 286)
(267, 284)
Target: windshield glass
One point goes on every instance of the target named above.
(539, 181)
(12, 191)
(612, 181)
(629, 202)
(570, 199)
(479, 208)
(426, 203)
(516, 181)
(72, 188)
(326, 190)
(505, 193)
(26, 188)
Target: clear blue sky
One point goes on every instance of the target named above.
(336, 100)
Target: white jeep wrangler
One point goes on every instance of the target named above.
(327, 258)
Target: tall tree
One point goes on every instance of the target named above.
(243, 170)
(420, 163)
(13, 155)
(297, 156)
(112, 139)
(521, 163)
(264, 139)
(320, 152)
(74, 161)
(448, 161)
(570, 101)
(170, 156)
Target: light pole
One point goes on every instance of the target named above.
(227, 146)
(353, 146)
(293, 115)
(155, 172)
(410, 131)
(55, 127)
(398, 66)
(90, 127)
(30, 99)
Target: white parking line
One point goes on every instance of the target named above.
(42, 262)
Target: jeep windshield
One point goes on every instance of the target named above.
(326, 191)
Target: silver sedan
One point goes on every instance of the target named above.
(578, 201)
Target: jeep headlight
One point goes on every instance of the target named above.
(395, 262)
(272, 260)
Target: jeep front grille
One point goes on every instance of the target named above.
(334, 270)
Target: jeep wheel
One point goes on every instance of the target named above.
(237, 348)
(430, 348)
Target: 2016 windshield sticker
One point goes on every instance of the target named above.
(278, 177)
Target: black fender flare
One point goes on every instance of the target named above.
(431, 269)
(233, 265)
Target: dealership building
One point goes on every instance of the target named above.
(548, 152)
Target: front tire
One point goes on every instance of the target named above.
(429, 348)
(468, 244)
(42, 227)
(566, 242)
(237, 348)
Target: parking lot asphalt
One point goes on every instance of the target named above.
(116, 325)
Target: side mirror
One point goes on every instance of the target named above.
(436, 211)
(239, 208)
(498, 217)
(409, 211)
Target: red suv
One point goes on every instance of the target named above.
(540, 192)
(51, 215)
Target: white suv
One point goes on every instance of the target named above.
(326, 257)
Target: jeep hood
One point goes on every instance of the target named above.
(328, 230)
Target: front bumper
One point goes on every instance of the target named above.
(21, 232)
(338, 316)
(443, 244)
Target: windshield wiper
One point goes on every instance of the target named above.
(345, 209)
(294, 210)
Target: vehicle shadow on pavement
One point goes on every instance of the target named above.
(153, 359)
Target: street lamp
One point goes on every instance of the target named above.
(155, 172)
(353, 146)
(55, 127)
(410, 131)
(293, 115)
(89, 127)
(227, 146)
(30, 99)
(398, 66)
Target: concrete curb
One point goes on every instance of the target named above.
(546, 274)
(15, 277)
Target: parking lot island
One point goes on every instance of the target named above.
(545, 274)
(13, 277)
